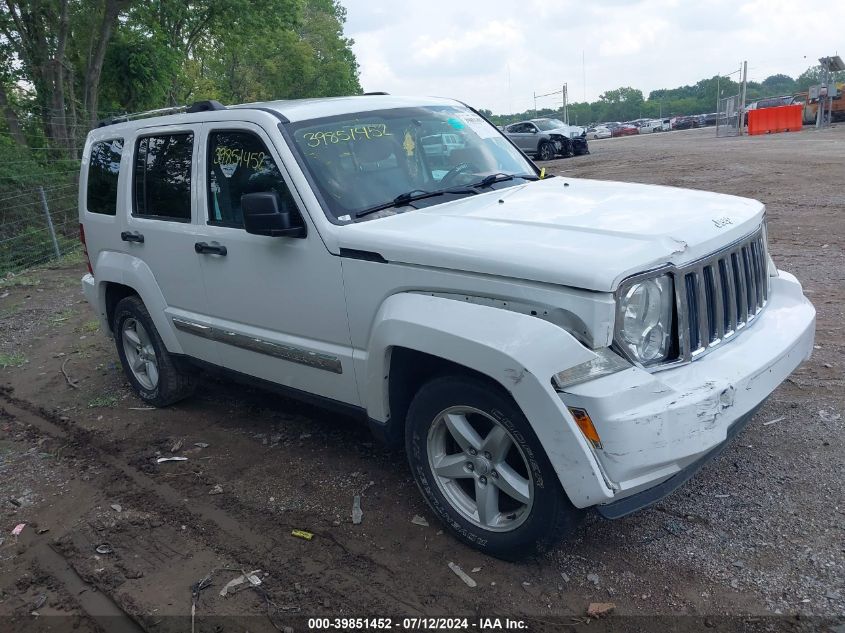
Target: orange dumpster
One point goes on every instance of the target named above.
(780, 119)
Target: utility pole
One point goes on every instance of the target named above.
(565, 98)
(742, 96)
(820, 118)
(718, 102)
(535, 104)
(584, 73)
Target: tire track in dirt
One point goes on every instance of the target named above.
(224, 533)
(98, 605)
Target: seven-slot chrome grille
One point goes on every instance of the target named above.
(720, 295)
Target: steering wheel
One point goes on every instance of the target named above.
(453, 173)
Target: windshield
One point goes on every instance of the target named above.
(548, 124)
(359, 161)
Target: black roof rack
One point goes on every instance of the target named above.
(371, 94)
(205, 106)
(198, 106)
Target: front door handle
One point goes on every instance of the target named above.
(130, 236)
(209, 249)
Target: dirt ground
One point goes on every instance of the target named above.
(755, 542)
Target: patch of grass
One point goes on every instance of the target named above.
(11, 360)
(90, 327)
(19, 281)
(107, 401)
(72, 258)
(60, 317)
(10, 310)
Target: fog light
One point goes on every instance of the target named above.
(582, 419)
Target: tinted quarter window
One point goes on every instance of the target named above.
(162, 185)
(239, 163)
(103, 171)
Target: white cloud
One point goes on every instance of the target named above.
(497, 53)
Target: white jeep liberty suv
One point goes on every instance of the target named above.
(539, 345)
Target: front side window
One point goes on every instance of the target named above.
(103, 173)
(239, 163)
(162, 183)
(358, 161)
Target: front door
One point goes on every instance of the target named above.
(277, 304)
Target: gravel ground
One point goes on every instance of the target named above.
(759, 532)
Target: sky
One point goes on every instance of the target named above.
(496, 54)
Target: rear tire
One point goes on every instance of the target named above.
(482, 470)
(148, 365)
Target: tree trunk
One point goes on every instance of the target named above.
(59, 106)
(11, 118)
(72, 122)
(95, 68)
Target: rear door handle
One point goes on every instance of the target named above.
(129, 236)
(209, 249)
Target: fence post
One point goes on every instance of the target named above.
(49, 222)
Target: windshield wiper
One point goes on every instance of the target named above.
(492, 179)
(406, 198)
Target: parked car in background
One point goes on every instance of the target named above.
(543, 145)
(709, 119)
(598, 132)
(547, 138)
(625, 129)
(438, 147)
(653, 125)
(686, 123)
(577, 135)
(772, 102)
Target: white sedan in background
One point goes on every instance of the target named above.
(599, 132)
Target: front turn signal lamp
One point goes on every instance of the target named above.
(606, 362)
(582, 419)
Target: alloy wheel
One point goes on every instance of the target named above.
(480, 469)
(140, 353)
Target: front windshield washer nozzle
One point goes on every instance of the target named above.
(501, 201)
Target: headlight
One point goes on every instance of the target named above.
(644, 318)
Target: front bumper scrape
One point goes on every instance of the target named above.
(650, 496)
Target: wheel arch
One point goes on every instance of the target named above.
(119, 275)
(416, 336)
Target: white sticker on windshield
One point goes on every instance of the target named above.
(478, 125)
(228, 170)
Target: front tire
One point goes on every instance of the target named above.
(148, 365)
(482, 470)
(546, 151)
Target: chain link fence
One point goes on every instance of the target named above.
(728, 117)
(38, 224)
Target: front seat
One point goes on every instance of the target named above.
(383, 168)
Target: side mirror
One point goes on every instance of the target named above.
(263, 215)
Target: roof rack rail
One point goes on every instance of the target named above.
(208, 105)
(198, 106)
(373, 94)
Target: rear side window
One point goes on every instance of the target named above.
(239, 163)
(162, 184)
(103, 172)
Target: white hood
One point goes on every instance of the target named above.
(581, 233)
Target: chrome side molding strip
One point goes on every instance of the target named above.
(290, 353)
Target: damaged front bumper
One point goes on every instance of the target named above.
(658, 429)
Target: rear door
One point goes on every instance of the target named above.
(519, 134)
(161, 226)
(277, 304)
